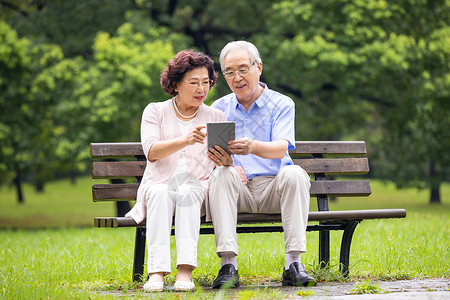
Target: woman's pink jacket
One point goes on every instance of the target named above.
(159, 122)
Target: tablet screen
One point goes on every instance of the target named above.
(220, 133)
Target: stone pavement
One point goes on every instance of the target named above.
(400, 289)
(436, 288)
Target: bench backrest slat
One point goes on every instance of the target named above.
(355, 165)
(354, 148)
(338, 188)
(112, 150)
(120, 191)
(117, 169)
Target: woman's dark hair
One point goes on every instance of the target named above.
(183, 62)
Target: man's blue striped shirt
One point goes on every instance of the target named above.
(270, 118)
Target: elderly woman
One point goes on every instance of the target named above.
(175, 180)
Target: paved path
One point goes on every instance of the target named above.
(400, 289)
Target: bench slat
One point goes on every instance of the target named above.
(246, 218)
(356, 165)
(111, 150)
(337, 188)
(118, 169)
(330, 147)
(114, 192)
(323, 216)
(340, 188)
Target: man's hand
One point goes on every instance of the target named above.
(196, 135)
(220, 157)
(271, 150)
(242, 146)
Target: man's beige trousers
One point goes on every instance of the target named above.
(287, 192)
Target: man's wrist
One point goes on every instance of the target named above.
(252, 146)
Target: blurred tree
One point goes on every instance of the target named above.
(70, 24)
(369, 65)
(416, 126)
(24, 130)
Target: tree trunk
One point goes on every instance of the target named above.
(435, 196)
(18, 184)
(73, 177)
(39, 186)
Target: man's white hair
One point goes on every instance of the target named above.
(235, 45)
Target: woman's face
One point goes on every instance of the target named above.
(194, 87)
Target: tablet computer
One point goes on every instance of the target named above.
(220, 133)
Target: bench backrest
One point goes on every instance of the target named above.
(319, 159)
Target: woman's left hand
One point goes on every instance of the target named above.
(220, 157)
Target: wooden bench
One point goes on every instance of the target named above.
(319, 159)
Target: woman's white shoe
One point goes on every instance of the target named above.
(184, 286)
(153, 286)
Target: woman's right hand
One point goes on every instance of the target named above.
(196, 135)
(220, 157)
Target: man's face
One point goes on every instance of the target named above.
(246, 87)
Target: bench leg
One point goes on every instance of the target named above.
(344, 261)
(324, 248)
(139, 254)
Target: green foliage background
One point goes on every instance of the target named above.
(75, 72)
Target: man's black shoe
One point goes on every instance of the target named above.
(228, 277)
(296, 275)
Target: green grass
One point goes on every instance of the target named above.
(62, 204)
(83, 262)
(366, 287)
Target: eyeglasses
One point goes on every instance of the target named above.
(196, 84)
(242, 72)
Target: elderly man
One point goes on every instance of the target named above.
(260, 176)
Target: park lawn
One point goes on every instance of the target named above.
(84, 262)
(62, 204)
